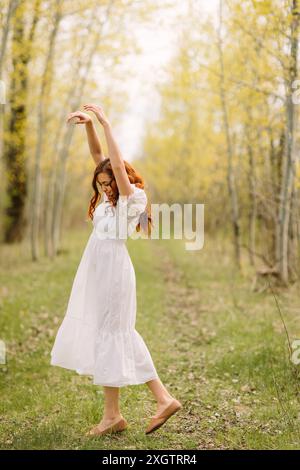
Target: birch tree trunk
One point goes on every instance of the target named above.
(64, 151)
(230, 171)
(42, 106)
(12, 5)
(288, 176)
(253, 200)
(53, 175)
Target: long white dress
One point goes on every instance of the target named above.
(97, 336)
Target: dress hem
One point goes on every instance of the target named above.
(124, 384)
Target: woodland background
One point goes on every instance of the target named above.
(226, 135)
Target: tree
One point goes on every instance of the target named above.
(14, 142)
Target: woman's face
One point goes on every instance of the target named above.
(105, 183)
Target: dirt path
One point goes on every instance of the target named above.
(186, 330)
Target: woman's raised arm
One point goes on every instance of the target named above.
(115, 156)
(92, 136)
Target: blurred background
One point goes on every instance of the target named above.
(200, 100)
(203, 101)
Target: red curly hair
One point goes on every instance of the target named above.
(133, 176)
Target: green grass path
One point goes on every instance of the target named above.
(219, 348)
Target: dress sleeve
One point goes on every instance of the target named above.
(135, 204)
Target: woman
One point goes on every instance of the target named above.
(97, 336)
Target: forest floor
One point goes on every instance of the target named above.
(219, 347)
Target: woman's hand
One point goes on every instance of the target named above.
(98, 111)
(78, 118)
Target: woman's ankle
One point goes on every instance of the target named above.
(164, 399)
(111, 416)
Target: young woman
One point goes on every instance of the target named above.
(97, 336)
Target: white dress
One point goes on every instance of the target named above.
(97, 336)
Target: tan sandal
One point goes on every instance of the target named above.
(157, 422)
(119, 426)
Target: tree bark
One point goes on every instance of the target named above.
(60, 182)
(235, 218)
(44, 93)
(14, 144)
(288, 176)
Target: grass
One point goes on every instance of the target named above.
(220, 348)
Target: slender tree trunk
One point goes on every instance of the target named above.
(293, 239)
(272, 192)
(253, 200)
(64, 152)
(44, 93)
(288, 177)
(52, 178)
(12, 5)
(235, 218)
